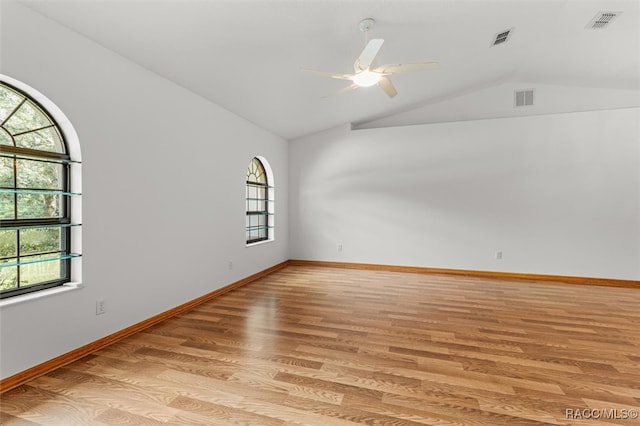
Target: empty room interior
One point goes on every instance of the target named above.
(319, 212)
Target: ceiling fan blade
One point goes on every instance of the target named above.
(336, 75)
(388, 88)
(368, 54)
(344, 89)
(398, 68)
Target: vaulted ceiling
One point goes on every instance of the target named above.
(246, 55)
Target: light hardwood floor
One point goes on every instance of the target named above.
(326, 346)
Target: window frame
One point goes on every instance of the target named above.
(264, 204)
(63, 221)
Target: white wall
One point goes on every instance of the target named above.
(558, 194)
(498, 101)
(163, 185)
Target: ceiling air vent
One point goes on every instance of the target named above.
(523, 98)
(602, 20)
(502, 37)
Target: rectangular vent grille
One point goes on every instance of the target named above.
(501, 37)
(602, 20)
(523, 98)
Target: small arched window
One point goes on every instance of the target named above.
(35, 196)
(259, 221)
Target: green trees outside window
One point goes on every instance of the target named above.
(34, 197)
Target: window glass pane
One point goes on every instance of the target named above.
(255, 172)
(8, 243)
(44, 140)
(257, 194)
(252, 191)
(5, 138)
(39, 240)
(27, 117)
(9, 100)
(39, 174)
(256, 227)
(255, 200)
(36, 273)
(7, 206)
(32, 206)
(257, 177)
(6, 172)
(8, 276)
(34, 183)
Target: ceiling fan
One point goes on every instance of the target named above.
(366, 74)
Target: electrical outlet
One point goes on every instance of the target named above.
(499, 255)
(101, 307)
(339, 247)
(231, 264)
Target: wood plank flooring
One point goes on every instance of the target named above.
(325, 346)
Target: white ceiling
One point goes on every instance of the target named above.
(246, 55)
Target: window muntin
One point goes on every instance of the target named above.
(259, 204)
(35, 197)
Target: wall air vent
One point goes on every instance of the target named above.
(502, 37)
(523, 98)
(602, 20)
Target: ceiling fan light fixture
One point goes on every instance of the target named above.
(366, 71)
(366, 78)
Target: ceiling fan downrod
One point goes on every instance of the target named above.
(365, 25)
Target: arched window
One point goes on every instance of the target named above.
(35, 196)
(259, 222)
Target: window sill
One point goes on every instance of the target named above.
(16, 300)
(257, 243)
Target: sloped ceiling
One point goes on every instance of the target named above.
(246, 55)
